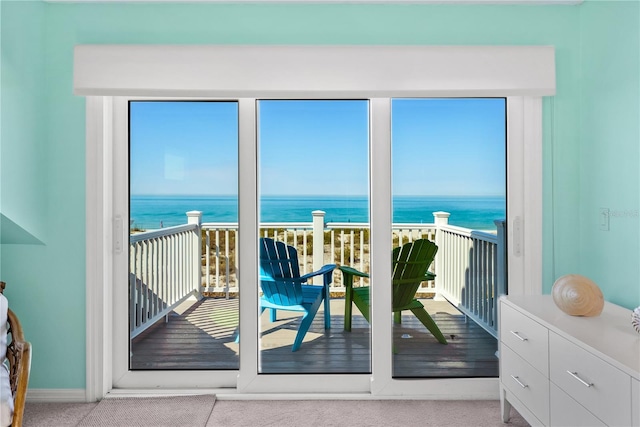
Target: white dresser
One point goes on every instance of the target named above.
(561, 370)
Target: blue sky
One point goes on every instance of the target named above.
(439, 147)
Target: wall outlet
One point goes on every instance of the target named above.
(604, 219)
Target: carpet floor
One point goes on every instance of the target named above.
(151, 411)
(205, 410)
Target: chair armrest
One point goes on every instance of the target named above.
(352, 271)
(325, 270)
(348, 273)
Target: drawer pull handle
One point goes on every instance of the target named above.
(519, 382)
(518, 336)
(575, 375)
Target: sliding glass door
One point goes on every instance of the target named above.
(314, 218)
(183, 222)
(338, 186)
(315, 294)
(449, 190)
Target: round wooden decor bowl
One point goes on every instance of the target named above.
(577, 295)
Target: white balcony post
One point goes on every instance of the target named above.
(502, 259)
(440, 219)
(318, 243)
(195, 217)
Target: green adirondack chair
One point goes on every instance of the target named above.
(410, 264)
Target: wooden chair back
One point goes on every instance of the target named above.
(19, 357)
(279, 262)
(410, 264)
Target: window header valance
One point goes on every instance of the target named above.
(314, 71)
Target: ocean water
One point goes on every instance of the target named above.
(152, 212)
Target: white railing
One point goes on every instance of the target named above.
(470, 272)
(164, 270)
(469, 265)
(220, 257)
(345, 243)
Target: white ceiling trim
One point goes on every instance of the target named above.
(283, 71)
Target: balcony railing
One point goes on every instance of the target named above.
(164, 270)
(469, 265)
(471, 272)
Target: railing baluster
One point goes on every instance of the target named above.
(487, 283)
(174, 272)
(217, 246)
(132, 286)
(495, 288)
(295, 243)
(352, 247)
(145, 283)
(474, 282)
(361, 249)
(165, 278)
(184, 264)
(154, 277)
(474, 277)
(139, 285)
(342, 246)
(235, 233)
(207, 258)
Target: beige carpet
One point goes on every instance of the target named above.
(361, 413)
(196, 411)
(152, 412)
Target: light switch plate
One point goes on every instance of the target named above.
(604, 219)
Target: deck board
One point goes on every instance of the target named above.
(202, 337)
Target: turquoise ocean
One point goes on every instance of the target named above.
(152, 212)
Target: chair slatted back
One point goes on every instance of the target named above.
(279, 262)
(410, 264)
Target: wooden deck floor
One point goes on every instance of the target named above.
(202, 337)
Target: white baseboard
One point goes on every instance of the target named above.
(56, 395)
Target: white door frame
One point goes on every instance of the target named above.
(107, 82)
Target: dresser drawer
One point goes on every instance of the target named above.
(592, 382)
(566, 412)
(526, 337)
(525, 382)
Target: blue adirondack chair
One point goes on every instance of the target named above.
(283, 287)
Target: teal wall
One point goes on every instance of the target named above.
(22, 161)
(609, 147)
(42, 179)
(47, 282)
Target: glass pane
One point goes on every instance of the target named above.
(314, 212)
(183, 311)
(449, 187)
